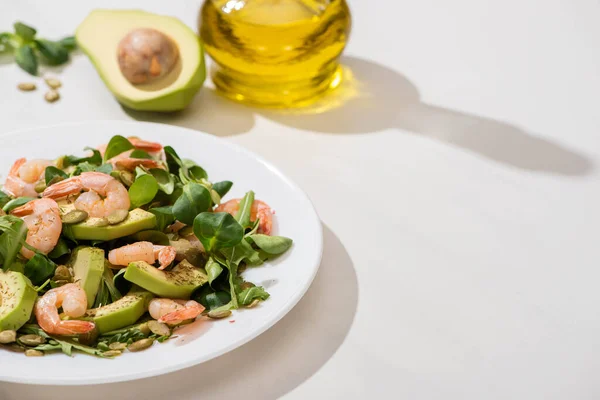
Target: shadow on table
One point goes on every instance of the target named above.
(374, 98)
(267, 368)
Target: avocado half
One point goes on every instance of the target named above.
(99, 35)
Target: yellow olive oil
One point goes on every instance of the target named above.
(275, 53)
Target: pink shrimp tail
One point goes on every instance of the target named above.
(14, 170)
(63, 188)
(189, 312)
(72, 327)
(131, 163)
(25, 209)
(144, 145)
(165, 255)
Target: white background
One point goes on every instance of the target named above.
(459, 193)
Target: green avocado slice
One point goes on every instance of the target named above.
(137, 220)
(123, 312)
(88, 266)
(179, 283)
(99, 36)
(17, 297)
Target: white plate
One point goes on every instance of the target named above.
(286, 279)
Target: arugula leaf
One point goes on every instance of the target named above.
(53, 52)
(245, 210)
(26, 32)
(25, 58)
(213, 269)
(166, 181)
(194, 200)
(39, 268)
(217, 230)
(53, 174)
(272, 244)
(107, 293)
(143, 190)
(164, 217)
(117, 145)
(248, 295)
(222, 187)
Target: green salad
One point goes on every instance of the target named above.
(112, 251)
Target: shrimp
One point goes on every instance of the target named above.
(44, 226)
(259, 210)
(73, 300)
(143, 251)
(23, 177)
(102, 195)
(125, 161)
(174, 311)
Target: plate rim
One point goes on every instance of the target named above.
(295, 298)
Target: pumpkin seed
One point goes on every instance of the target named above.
(53, 83)
(74, 217)
(51, 96)
(219, 314)
(144, 328)
(127, 178)
(61, 282)
(33, 353)
(159, 328)
(98, 222)
(31, 340)
(118, 216)
(26, 86)
(62, 272)
(8, 337)
(140, 345)
(15, 348)
(112, 353)
(40, 187)
(253, 304)
(117, 346)
(54, 180)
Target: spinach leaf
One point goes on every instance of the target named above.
(272, 244)
(194, 200)
(4, 198)
(217, 230)
(53, 52)
(211, 298)
(137, 153)
(95, 158)
(166, 181)
(117, 145)
(39, 268)
(143, 190)
(60, 249)
(18, 202)
(12, 238)
(53, 174)
(248, 295)
(26, 32)
(25, 58)
(222, 187)
(164, 217)
(213, 269)
(245, 209)
(69, 43)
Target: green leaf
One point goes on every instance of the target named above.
(245, 209)
(272, 244)
(194, 200)
(117, 145)
(156, 237)
(83, 167)
(213, 269)
(4, 198)
(54, 174)
(104, 168)
(166, 181)
(174, 161)
(18, 202)
(194, 171)
(248, 295)
(143, 190)
(26, 59)
(240, 252)
(164, 217)
(222, 187)
(95, 158)
(12, 239)
(60, 249)
(68, 43)
(217, 230)
(39, 268)
(54, 53)
(137, 153)
(26, 32)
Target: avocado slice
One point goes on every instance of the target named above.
(88, 266)
(123, 312)
(137, 220)
(99, 36)
(179, 283)
(17, 297)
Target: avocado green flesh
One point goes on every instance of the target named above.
(179, 283)
(137, 220)
(88, 266)
(181, 84)
(17, 297)
(123, 312)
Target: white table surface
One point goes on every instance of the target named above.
(459, 193)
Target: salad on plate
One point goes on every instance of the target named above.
(113, 251)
